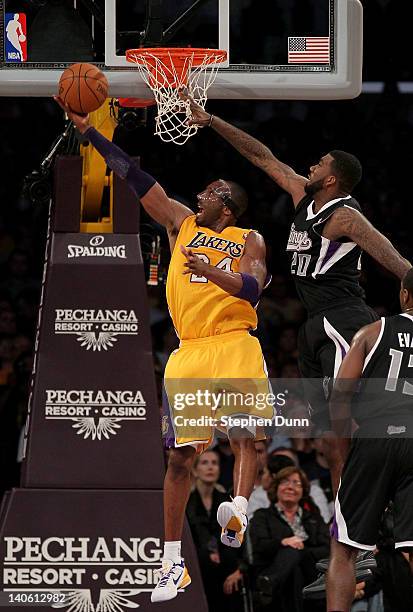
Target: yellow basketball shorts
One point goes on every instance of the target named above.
(215, 382)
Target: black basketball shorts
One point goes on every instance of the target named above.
(323, 342)
(376, 471)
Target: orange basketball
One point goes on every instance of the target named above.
(83, 87)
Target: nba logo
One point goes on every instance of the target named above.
(16, 37)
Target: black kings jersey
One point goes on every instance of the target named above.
(386, 388)
(325, 272)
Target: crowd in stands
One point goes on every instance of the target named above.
(286, 547)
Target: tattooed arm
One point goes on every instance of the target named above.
(350, 223)
(261, 156)
(253, 150)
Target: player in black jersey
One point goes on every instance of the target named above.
(378, 372)
(327, 237)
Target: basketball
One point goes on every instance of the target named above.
(83, 88)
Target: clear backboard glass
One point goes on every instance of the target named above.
(276, 48)
(253, 32)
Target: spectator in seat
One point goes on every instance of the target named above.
(287, 540)
(275, 463)
(218, 563)
(259, 497)
(317, 495)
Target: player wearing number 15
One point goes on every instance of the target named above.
(373, 388)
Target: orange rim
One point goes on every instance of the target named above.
(179, 55)
(136, 102)
(175, 59)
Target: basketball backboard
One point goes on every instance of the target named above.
(289, 49)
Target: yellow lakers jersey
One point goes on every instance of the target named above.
(198, 307)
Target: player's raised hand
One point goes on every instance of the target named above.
(199, 116)
(80, 121)
(194, 264)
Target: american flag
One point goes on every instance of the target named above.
(308, 49)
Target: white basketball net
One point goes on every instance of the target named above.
(166, 81)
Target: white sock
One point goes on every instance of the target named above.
(241, 503)
(172, 551)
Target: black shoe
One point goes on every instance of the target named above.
(317, 589)
(264, 589)
(365, 560)
(322, 565)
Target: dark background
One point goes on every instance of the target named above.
(377, 128)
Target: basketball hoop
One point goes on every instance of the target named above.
(135, 102)
(166, 71)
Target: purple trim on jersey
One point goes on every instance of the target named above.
(332, 249)
(343, 349)
(168, 433)
(334, 528)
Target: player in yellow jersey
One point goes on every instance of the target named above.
(216, 275)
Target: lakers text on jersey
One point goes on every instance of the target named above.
(198, 307)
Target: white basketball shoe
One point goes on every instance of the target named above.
(233, 522)
(174, 577)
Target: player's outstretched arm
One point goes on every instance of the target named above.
(254, 150)
(350, 223)
(246, 284)
(155, 201)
